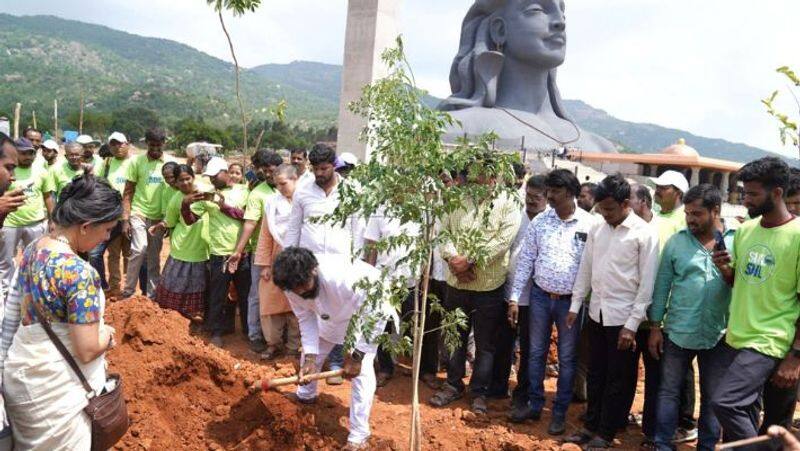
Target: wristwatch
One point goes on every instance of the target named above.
(357, 356)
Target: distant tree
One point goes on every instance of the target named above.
(196, 129)
(94, 123)
(133, 122)
(238, 8)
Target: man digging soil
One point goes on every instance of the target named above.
(320, 292)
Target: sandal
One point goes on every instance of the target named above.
(647, 445)
(431, 381)
(272, 353)
(445, 396)
(479, 406)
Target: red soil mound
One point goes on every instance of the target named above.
(184, 394)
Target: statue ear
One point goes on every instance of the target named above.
(497, 31)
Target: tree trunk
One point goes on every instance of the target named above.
(238, 93)
(420, 305)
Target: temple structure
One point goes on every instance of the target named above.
(679, 157)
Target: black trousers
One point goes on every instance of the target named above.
(504, 360)
(429, 362)
(486, 313)
(611, 383)
(779, 404)
(221, 313)
(652, 382)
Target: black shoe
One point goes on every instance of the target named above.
(520, 414)
(216, 340)
(598, 444)
(258, 346)
(557, 426)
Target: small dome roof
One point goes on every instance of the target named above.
(681, 149)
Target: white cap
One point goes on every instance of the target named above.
(214, 166)
(50, 144)
(348, 158)
(675, 179)
(86, 139)
(118, 137)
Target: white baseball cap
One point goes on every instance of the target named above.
(86, 139)
(118, 137)
(673, 178)
(348, 158)
(215, 166)
(50, 144)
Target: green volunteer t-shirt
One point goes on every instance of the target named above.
(117, 174)
(146, 174)
(167, 193)
(669, 224)
(224, 230)
(764, 304)
(61, 174)
(186, 242)
(35, 183)
(255, 208)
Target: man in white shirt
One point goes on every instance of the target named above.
(313, 200)
(320, 291)
(299, 159)
(618, 267)
(381, 227)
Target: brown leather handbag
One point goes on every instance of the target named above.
(107, 410)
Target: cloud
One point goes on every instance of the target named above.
(699, 66)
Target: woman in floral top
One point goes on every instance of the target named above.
(44, 397)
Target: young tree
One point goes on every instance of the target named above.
(404, 179)
(238, 8)
(788, 127)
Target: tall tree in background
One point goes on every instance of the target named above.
(238, 8)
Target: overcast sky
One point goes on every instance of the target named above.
(701, 66)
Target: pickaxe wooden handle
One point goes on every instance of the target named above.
(266, 384)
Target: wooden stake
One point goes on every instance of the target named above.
(34, 120)
(80, 119)
(55, 119)
(745, 442)
(17, 108)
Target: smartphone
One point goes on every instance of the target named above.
(720, 242)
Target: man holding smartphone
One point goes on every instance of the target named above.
(689, 314)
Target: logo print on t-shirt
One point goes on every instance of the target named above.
(760, 265)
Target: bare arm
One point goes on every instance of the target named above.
(90, 341)
(49, 204)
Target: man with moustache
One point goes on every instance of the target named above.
(299, 159)
(321, 292)
(551, 253)
(762, 347)
(689, 315)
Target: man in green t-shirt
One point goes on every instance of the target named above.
(61, 174)
(141, 205)
(114, 169)
(265, 162)
(29, 221)
(670, 188)
(226, 209)
(762, 344)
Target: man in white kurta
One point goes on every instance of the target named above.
(321, 294)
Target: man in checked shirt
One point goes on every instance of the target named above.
(550, 256)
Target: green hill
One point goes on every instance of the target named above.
(46, 57)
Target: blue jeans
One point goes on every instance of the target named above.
(543, 313)
(336, 358)
(675, 362)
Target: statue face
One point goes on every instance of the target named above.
(535, 32)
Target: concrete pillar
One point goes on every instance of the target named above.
(371, 28)
(695, 180)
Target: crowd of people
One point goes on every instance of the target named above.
(622, 276)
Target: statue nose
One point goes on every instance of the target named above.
(559, 25)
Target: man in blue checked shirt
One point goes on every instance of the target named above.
(550, 256)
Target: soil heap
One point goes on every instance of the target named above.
(185, 394)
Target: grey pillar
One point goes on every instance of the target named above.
(724, 185)
(371, 28)
(695, 180)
